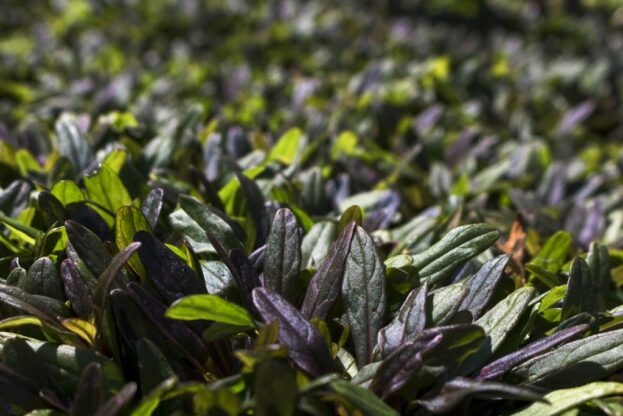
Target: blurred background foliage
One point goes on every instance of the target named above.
(477, 99)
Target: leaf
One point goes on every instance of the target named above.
(445, 302)
(150, 402)
(324, 287)
(107, 277)
(76, 289)
(84, 329)
(170, 274)
(42, 279)
(217, 277)
(352, 213)
(362, 399)
(71, 142)
(482, 286)
(209, 307)
(283, 255)
(244, 275)
(220, 402)
(458, 389)
(287, 148)
(107, 190)
(363, 292)
(407, 324)
(90, 392)
(275, 389)
(573, 364)
(116, 403)
(180, 335)
(316, 243)
(582, 291)
(402, 365)
(210, 222)
(553, 254)
(502, 318)
(67, 192)
(459, 245)
(88, 246)
(52, 208)
(598, 261)
(306, 347)
(152, 205)
(255, 207)
(42, 307)
(560, 401)
(504, 364)
(128, 221)
(153, 365)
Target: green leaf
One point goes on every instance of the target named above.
(553, 254)
(352, 213)
(598, 261)
(445, 302)
(150, 402)
(283, 255)
(288, 148)
(107, 191)
(362, 399)
(275, 389)
(209, 222)
(219, 402)
(42, 279)
(573, 364)
(209, 307)
(363, 293)
(560, 401)
(67, 192)
(582, 291)
(502, 318)
(128, 221)
(316, 243)
(455, 248)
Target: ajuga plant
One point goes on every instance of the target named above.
(311, 208)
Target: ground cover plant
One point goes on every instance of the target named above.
(311, 208)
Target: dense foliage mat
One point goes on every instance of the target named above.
(325, 207)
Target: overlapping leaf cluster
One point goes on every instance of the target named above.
(289, 207)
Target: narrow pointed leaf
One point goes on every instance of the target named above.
(582, 291)
(456, 247)
(483, 284)
(170, 274)
(306, 347)
(504, 364)
(283, 255)
(76, 289)
(573, 364)
(363, 399)
(560, 401)
(408, 323)
(324, 288)
(458, 389)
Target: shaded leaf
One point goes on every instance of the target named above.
(306, 347)
(363, 292)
